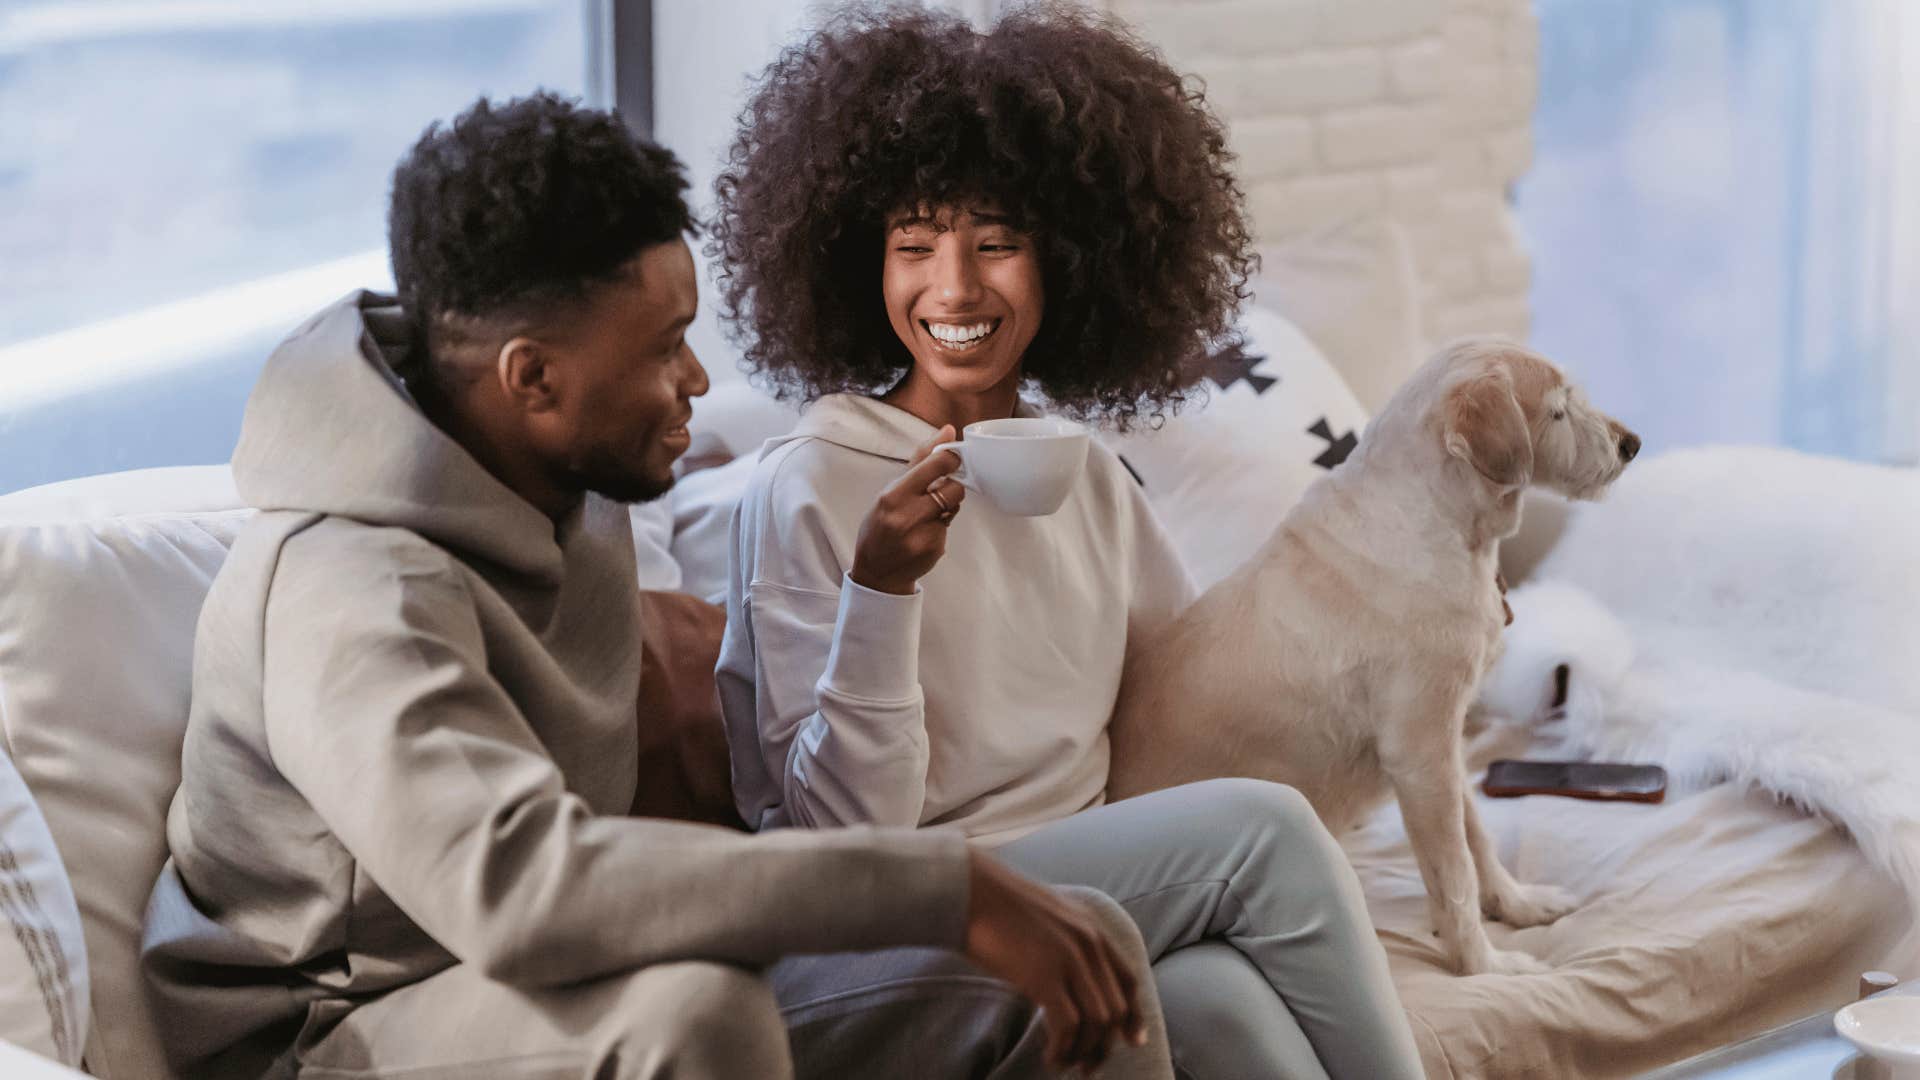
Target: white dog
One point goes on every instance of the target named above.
(1342, 658)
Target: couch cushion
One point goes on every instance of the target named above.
(184, 489)
(96, 647)
(43, 955)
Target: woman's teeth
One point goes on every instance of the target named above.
(961, 336)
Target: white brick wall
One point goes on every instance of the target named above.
(1419, 109)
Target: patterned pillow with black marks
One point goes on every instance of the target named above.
(1276, 417)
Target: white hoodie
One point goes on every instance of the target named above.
(982, 700)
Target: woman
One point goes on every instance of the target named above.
(917, 222)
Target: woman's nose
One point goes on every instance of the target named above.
(956, 279)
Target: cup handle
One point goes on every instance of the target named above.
(959, 475)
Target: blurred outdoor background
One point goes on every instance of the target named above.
(1720, 206)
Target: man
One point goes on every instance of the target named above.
(399, 845)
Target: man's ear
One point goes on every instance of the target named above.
(1486, 428)
(527, 374)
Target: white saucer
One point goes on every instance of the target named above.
(1886, 1028)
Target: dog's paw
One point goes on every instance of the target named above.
(1533, 905)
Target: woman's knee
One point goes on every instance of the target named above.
(1274, 823)
(1261, 802)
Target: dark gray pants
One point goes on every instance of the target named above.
(902, 1012)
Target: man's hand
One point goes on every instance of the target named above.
(905, 533)
(1055, 954)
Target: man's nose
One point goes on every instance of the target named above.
(695, 382)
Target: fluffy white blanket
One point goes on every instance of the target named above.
(1740, 614)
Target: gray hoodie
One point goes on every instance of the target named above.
(413, 739)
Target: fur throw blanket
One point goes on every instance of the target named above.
(1739, 614)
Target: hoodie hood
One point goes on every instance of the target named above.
(330, 429)
(868, 425)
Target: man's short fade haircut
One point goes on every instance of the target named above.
(514, 209)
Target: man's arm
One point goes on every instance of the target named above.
(381, 712)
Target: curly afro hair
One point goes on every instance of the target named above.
(1064, 121)
(519, 208)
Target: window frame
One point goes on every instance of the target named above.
(620, 60)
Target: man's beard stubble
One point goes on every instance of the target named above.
(601, 473)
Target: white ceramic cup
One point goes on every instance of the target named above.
(1886, 1028)
(1025, 466)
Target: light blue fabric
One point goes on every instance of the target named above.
(1247, 865)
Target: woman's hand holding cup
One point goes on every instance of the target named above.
(905, 533)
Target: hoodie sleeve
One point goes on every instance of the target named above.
(1162, 586)
(383, 715)
(819, 677)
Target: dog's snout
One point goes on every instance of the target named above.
(1629, 446)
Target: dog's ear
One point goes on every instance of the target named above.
(1486, 428)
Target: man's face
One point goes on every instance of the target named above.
(631, 380)
(963, 292)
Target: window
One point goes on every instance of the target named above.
(1724, 213)
(183, 181)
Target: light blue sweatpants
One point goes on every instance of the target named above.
(1266, 961)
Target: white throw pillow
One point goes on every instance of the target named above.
(733, 420)
(96, 644)
(1222, 474)
(653, 543)
(43, 955)
(703, 506)
(728, 427)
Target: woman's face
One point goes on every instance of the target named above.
(962, 289)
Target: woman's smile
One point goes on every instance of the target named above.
(961, 337)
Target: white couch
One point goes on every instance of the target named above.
(105, 578)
